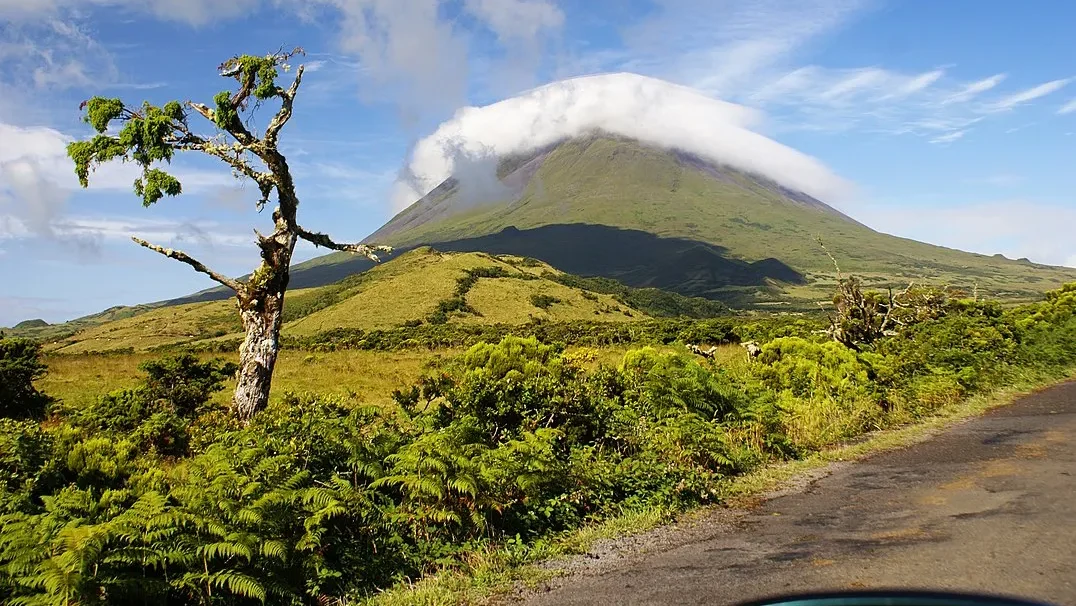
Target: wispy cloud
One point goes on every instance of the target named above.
(192, 12)
(89, 233)
(53, 54)
(973, 89)
(1010, 101)
(729, 49)
(753, 53)
(920, 82)
(1068, 108)
(949, 137)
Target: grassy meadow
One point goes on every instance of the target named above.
(361, 376)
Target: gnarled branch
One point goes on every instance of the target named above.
(287, 101)
(179, 255)
(367, 250)
(231, 157)
(240, 132)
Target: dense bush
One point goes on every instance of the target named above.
(651, 301)
(436, 333)
(20, 366)
(152, 494)
(157, 415)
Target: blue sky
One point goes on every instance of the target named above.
(954, 121)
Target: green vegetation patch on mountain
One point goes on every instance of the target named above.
(425, 285)
(420, 287)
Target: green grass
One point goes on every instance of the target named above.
(508, 300)
(366, 376)
(160, 326)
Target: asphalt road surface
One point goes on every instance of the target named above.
(989, 505)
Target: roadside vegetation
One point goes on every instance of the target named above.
(484, 459)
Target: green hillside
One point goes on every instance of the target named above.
(38, 329)
(422, 286)
(604, 206)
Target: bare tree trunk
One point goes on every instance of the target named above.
(257, 355)
(261, 306)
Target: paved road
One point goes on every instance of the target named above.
(989, 505)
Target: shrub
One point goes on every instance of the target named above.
(542, 301)
(20, 366)
(158, 414)
(667, 384)
(185, 382)
(27, 467)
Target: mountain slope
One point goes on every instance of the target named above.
(690, 226)
(420, 286)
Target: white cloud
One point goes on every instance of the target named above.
(53, 54)
(872, 99)
(1015, 228)
(921, 82)
(415, 53)
(926, 104)
(973, 89)
(752, 52)
(91, 231)
(46, 148)
(37, 179)
(1068, 108)
(1010, 101)
(818, 86)
(517, 21)
(728, 48)
(949, 137)
(193, 12)
(418, 58)
(631, 105)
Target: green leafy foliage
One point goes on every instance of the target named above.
(147, 136)
(20, 366)
(433, 335)
(157, 415)
(185, 382)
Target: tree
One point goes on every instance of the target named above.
(151, 135)
(863, 317)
